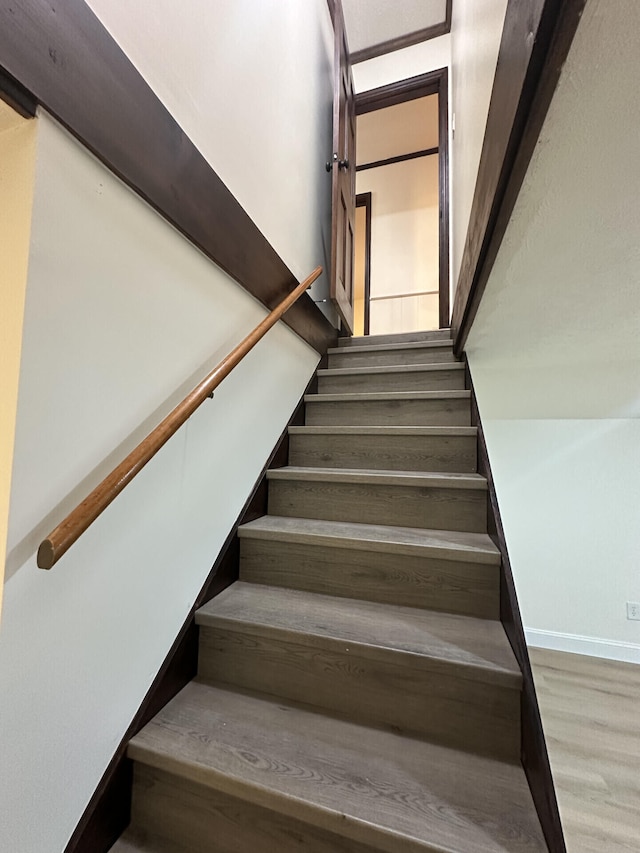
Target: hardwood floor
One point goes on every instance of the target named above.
(591, 716)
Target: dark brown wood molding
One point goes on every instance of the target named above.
(414, 155)
(432, 83)
(533, 748)
(397, 93)
(109, 810)
(406, 40)
(535, 43)
(365, 200)
(63, 56)
(332, 10)
(12, 93)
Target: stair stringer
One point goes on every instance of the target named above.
(533, 748)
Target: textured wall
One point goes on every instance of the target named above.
(555, 352)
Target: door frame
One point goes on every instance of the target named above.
(364, 200)
(431, 83)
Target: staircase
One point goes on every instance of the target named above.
(356, 691)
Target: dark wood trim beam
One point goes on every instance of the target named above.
(67, 60)
(406, 40)
(414, 155)
(535, 43)
(12, 93)
(533, 747)
(397, 93)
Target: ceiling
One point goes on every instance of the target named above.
(373, 22)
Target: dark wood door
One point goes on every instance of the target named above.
(343, 168)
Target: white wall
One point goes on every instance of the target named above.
(17, 167)
(476, 30)
(121, 312)
(555, 353)
(251, 84)
(401, 64)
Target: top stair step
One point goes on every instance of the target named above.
(376, 788)
(409, 352)
(366, 340)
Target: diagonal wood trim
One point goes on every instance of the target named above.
(17, 96)
(398, 93)
(533, 749)
(426, 152)
(535, 43)
(109, 811)
(70, 64)
(406, 40)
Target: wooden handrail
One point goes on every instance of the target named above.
(74, 525)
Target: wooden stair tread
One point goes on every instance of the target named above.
(378, 788)
(477, 649)
(355, 396)
(137, 842)
(442, 544)
(438, 343)
(396, 368)
(400, 337)
(423, 479)
(425, 431)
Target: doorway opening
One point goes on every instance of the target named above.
(401, 279)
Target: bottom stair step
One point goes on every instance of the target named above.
(240, 772)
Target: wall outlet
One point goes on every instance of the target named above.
(633, 610)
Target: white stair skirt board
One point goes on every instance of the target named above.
(579, 645)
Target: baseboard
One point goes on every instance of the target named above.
(579, 645)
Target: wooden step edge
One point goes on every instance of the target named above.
(370, 539)
(426, 662)
(424, 431)
(400, 337)
(303, 809)
(393, 368)
(382, 396)
(212, 749)
(417, 479)
(437, 343)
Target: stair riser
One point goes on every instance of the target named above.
(389, 453)
(430, 380)
(407, 337)
(389, 413)
(407, 506)
(470, 589)
(440, 705)
(391, 358)
(195, 818)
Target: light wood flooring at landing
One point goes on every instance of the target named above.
(591, 716)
